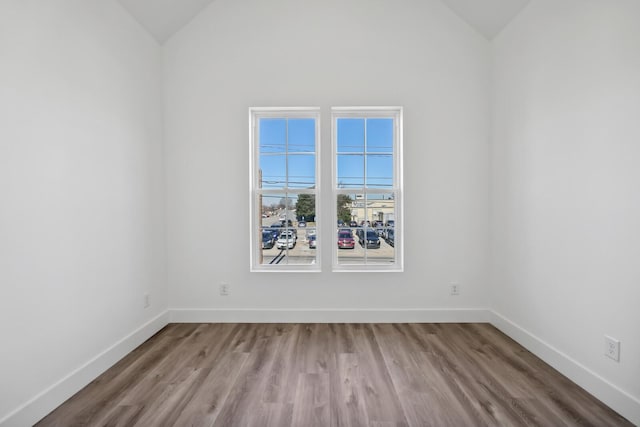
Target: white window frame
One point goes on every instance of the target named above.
(397, 189)
(255, 238)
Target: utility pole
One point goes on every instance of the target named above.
(260, 259)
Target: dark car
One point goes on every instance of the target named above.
(345, 240)
(302, 224)
(353, 224)
(275, 232)
(391, 237)
(371, 241)
(268, 239)
(312, 242)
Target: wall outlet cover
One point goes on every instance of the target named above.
(612, 348)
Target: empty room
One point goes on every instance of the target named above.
(319, 213)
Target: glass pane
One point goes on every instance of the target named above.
(277, 217)
(350, 134)
(380, 135)
(380, 241)
(380, 171)
(273, 135)
(272, 172)
(302, 136)
(304, 228)
(350, 171)
(349, 252)
(302, 171)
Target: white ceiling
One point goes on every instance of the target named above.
(163, 18)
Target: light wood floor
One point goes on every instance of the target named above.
(331, 375)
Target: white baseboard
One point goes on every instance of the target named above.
(49, 399)
(239, 315)
(620, 401)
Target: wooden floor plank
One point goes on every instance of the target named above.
(346, 392)
(311, 408)
(352, 375)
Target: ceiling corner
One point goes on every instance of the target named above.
(488, 17)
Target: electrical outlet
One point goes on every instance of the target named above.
(224, 289)
(612, 348)
(147, 300)
(455, 289)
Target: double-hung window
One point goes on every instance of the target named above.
(367, 188)
(284, 189)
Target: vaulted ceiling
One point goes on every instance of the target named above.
(163, 18)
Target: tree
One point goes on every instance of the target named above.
(306, 207)
(344, 207)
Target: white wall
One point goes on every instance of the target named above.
(565, 184)
(331, 53)
(81, 181)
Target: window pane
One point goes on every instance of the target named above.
(305, 250)
(277, 218)
(380, 171)
(380, 135)
(302, 171)
(273, 135)
(276, 208)
(302, 136)
(349, 251)
(350, 135)
(272, 171)
(380, 212)
(350, 171)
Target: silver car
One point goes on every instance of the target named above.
(287, 239)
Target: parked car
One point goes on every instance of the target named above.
(345, 240)
(287, 223)
(268, 239)
(302, 224)
(390, 223)
(340, 223)
(371, 241)
(287, 239)
(312, 241)
(353, 224)
(275, 232)
(310, 231)
(391, 237)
